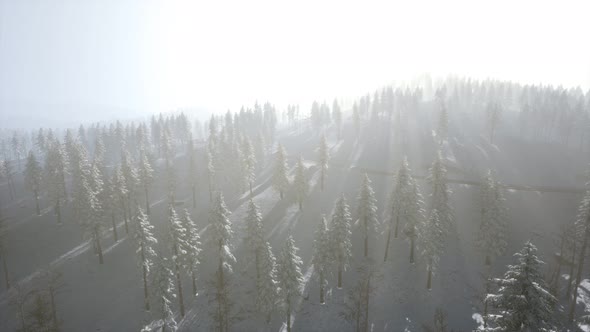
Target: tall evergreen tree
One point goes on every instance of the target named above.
(367, 212)
(337, 116)
(193, 174)
(300, 182)
(163, 290)
(87, 211)
(249, 162)
(340, 236)
(193, 247)
(33, 174)
(432, 244)
(323, 160)
(145, 243)
(178, 236)
(55, 168)
(523, 301)
(145, 177)
(290, 277)
(266, 284)
(279, 179)
(491, 239)
(441, 192)
(255, 233)
(322, 258)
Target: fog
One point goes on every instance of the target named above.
(307, 166)
(141, 57)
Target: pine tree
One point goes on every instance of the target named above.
(178, 236)
(290, 277)
(300, 182)
(120, 190)
(356, 120)
(210, 171)
(193, 247)
(249, 162)
(221, 238)
(145, 243)
(33, 178)
(87, 211)
(145, 176)
(431, 237)
(131, 181)
(441, 192)
(582, 225)
(491, 239)
(279, 179)
(523, 301)
(322, 259)
(323, 160)
(442, 131)
(163, 291)
(405, 208)
(55, 168)
(255, 233)
(367, 212)
(266, 284)
(193, 174)
(340, 236)
(8, 174)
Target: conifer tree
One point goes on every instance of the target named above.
(249, 162)
(523, 301)
(145, 243)
(322, 259)
(323, 160)
(432, 244)
(145, 178)
(178, 236)
(255, 233)
(8, 174)
(367, 212)
(290, 277)
(55, 168)
(279, 179)
(87, 211)
(193, 174)
(340, 236)
(337, 116)
(193, 247)
(582, 225)
(441, 192)
(491, 239)
(33, 175)
(300, 182)
(266, 284)
(163, 290)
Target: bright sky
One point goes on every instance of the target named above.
(149, 55)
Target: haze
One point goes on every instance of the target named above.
(139, 57)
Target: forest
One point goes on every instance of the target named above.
(439, 205)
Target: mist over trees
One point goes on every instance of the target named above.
(276, 218)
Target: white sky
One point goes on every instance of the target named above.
(160, 55)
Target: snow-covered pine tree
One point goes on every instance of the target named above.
(255, 233)
(163, 291)
(322, 255)
(193, 247)
(210, 171)
(442, 130)
(367, 212)
(131, 180)
(221, 235)
(582, 225)
(145, 177)
(300, 182)
(193, 174)
(491, 239)
(432, 235)
(279, 179)
(249, 162)
(55, 168)
(405, 208)
(290, 277)
(33, 173)
(145, 244)
(340, 236)
(266, 284)
(441, 193)
(523, 301)
(87, 211)
(324, 157)
(121, 192)
(177, 235)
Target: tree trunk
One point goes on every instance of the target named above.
(179, 282)
(98, 247)
(579, 274)
(367, 293)
(289, 317)
(5, 267)
(58, 212)
(147, 202)
(250, 183)
(340, 268)
(429, 280)
(366, 239)
(194, 280)
(53, 309)
(146, 298)
(322, 301)
(572, 268)
(115, 235)
(125, 215)
(396, 226)
(387, 244)
(37, 203)
(412, 250)
(322, 180)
